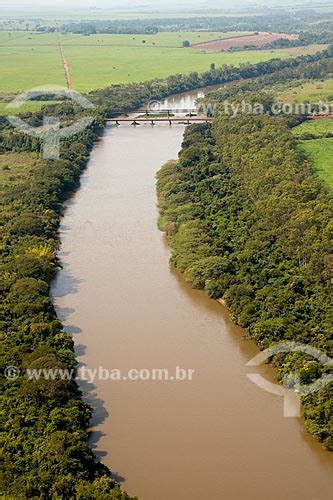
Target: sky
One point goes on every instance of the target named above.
(90, 3)
(135, 3)
(15, 6)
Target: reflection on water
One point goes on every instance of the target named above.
(216, 437)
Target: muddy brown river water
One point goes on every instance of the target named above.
(215, 437)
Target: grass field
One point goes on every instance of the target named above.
(317, 127)
(23, 68)
(102, 66)
(320, 153)
(161, 39)
(28, 59)
(314, 91)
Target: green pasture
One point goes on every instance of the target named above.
(313, 91)
(161, 39)
(15, 38)
(320, 153)
(23, 68)
(317, 127)
(28, 59)
(97, 67)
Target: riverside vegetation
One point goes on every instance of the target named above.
(46, 452)
(248, 222)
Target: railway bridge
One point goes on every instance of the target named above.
(179, 119)
(183, 116)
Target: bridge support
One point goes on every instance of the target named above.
(186, 120)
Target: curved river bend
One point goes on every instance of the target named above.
(216, 437)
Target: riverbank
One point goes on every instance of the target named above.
(232, 236)
(41, 414)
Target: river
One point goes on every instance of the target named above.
(217, 436)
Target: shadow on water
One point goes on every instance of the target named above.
(63, 313)
(88, 390)
(72, 329)
(69, 284)
(89, 394)
(63, 285)
(80, 350)
(117, 477)
(100, 414)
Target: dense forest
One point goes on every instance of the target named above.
(248, 222)
(46, 450)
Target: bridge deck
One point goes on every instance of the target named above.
(149, 119)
